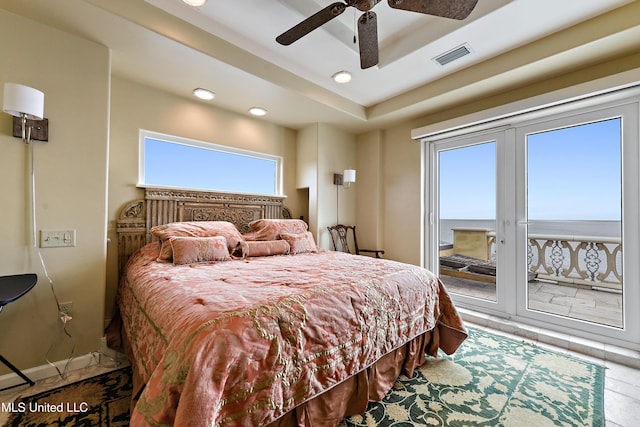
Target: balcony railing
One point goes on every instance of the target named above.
(581, 260)
(586, 260)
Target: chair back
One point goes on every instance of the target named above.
(344, 238)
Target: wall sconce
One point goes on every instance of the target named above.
(349, 176)
(26, 105)
(345, 179)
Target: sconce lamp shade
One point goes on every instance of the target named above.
(349, 175)
(19, 99)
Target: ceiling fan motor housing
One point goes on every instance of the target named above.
(364, 5)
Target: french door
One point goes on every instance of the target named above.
(539, 221)
(467, 195)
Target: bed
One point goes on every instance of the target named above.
(230, 315)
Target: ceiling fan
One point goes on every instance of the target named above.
(368, 22)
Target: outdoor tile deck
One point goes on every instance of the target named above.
(585, 304)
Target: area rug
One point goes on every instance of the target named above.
(99, 401)
(494, 381)
(490, 381)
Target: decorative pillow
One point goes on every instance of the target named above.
(195, 250)
(300, 242)
(249, 236)
(195, 229)
(264, 248)
(271, 229)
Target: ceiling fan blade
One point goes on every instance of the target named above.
(311, 23)
(455, 9)
(368, 35)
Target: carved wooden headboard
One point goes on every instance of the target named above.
(162, 206)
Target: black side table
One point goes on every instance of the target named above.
(12, 288)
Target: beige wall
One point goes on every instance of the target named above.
(307, 171)
(336, 152)
(323, 150)
(369, 215)
(400, 175)
(71, 172)
(135, 107)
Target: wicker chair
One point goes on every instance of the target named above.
(340, 239)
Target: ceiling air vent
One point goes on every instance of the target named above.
(453, 54)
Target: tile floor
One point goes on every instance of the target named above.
(622, 381)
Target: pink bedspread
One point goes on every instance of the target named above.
(243, 342)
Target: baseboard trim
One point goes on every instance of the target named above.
(41, 372)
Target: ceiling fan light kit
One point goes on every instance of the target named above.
(368, 22)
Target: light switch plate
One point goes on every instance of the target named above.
(57, 238)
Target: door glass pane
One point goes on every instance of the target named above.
(574, 226)
(467, 220)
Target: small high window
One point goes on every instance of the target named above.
(174, 162)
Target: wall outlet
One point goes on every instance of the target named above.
(67, 308)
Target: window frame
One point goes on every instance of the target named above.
(193, 143)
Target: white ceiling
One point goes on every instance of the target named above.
(407, 41)
(229, 47)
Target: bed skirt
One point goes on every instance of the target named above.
(350, 397)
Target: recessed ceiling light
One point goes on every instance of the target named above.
(257, 111)
(195, 3)
(342, 77)
(205, 94)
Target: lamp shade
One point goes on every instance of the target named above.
(349, 175)
(20, 99)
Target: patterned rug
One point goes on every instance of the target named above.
(490, 381)
(494, 381)
(99, 401)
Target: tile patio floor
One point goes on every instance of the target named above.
(580, 303)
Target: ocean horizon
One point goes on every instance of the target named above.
(604, 228)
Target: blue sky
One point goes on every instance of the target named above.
(468, 182)
(573, 174)
(184, 166)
